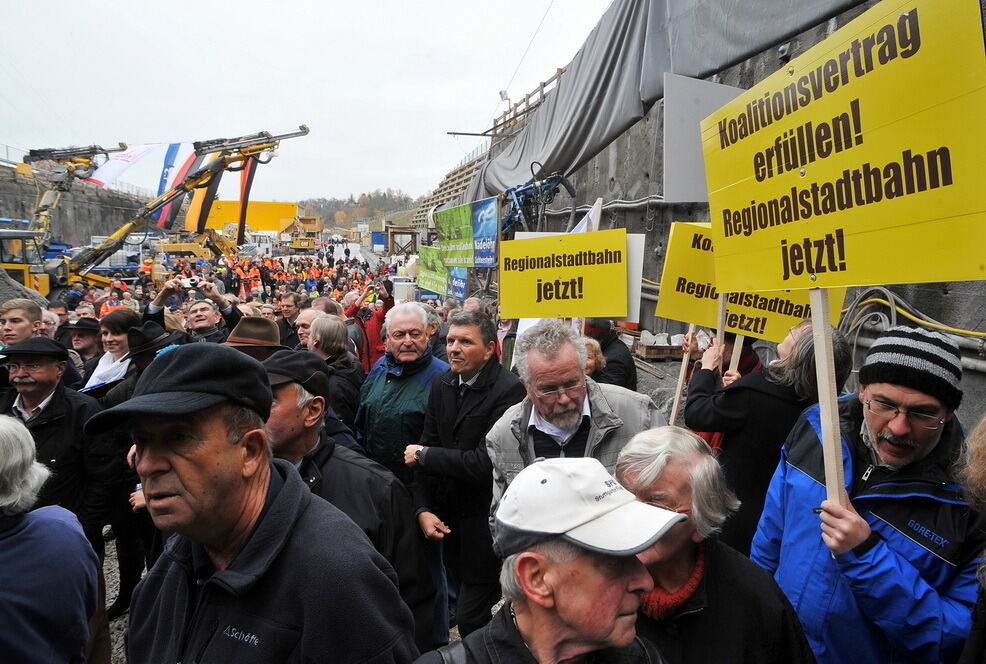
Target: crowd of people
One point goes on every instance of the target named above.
(296, 467)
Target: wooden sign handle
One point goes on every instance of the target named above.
(676, 405)
(821, 331)
(737, 351)
(721, 323)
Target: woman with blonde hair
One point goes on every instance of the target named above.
(595, 360)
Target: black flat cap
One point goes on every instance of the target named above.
(87, 324)
(302, 367)
(37, 346)
(190, 379)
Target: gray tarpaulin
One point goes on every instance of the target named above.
(618, 74)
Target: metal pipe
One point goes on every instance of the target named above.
(615, 205)
(967, 362)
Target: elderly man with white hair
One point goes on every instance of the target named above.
(702, 587)
(394, 396)
(565, 414)
(572, 583)
(48, 570)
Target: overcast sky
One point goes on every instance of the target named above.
(379, 83)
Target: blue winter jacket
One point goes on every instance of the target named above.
(906, 593)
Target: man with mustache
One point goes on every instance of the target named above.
(566, 413)
(892, 575)
(83, 467)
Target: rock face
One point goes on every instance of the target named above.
(85, 210)
(9, 289)
(82, 212)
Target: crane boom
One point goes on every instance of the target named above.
(233, 154)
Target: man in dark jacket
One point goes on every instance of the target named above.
(891, 575)
(84, 467)
(709, 603)
(259, 570)
(620, 368)
(291, 304)
(210, 319)
(454, 475)
(364, 490)
(62, 334)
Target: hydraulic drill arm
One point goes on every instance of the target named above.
(233, 154)
(73, 164)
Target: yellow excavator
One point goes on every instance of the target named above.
(231, 155)
(22, 250)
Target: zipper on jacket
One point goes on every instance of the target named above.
(866, 475)
(190, 624)
(212, 634)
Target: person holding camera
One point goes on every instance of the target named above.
(209, 319)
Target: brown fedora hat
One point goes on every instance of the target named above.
(257, 337)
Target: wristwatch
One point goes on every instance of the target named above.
(417, 453)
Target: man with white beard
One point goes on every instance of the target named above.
(565, 413)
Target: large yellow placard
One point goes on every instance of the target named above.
(861, 161)
(689, 293)
(577, 274)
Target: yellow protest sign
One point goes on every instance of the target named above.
(861, 161)
(689, 293)
(576, 274)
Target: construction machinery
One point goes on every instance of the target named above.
(230, 155)
(207, 244)
(22, 256)
(71, 164)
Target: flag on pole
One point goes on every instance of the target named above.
(169, 213)
(118, 162)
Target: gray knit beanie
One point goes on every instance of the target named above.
(916, 358)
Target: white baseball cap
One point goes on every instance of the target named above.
(577, 500)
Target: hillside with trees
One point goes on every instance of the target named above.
(345, 212)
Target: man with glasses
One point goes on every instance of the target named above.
(83, 467)
(892, 574)
(565, 413)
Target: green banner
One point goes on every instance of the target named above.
(432, 275)
(455, 235)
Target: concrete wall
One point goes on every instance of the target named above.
(632, 168)
(84, 211)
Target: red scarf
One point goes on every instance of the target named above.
(659, 604)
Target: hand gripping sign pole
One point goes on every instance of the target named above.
(685, 360)
(821, 331)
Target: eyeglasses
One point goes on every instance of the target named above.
(27, 366)
(889, 411)
(555, 392)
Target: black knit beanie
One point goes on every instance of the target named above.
(916, 358)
